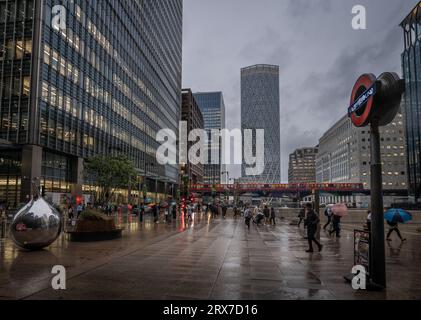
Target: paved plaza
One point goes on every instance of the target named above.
(208, 259)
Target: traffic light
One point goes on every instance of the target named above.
(78, 200)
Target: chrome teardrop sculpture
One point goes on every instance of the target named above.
(36, 225)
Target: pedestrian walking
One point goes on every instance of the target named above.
(189, 212)
(266, 213)
(272, 216)
(166, 215)
(174, 211)
(235, 212)
(70, 213)
(141, 213)
(369, 220)
(394, 227)
(336, 223)
(312, 222)
(224, 211)
(328, 214)
(248, 215)
(155, 213)
(79, 210)
(301, 216)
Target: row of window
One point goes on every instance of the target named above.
(16, 86)
(60, 64)
(16, 50)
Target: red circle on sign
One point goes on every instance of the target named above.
(365, 81)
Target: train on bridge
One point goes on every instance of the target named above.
(279, 188)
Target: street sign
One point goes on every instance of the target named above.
(375, 100)
(362, 101)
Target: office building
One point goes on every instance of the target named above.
(302, 166)
(260, 109)
(411, 63)
(191, 114)
(104, 83)
(345, 152)
(212, 106)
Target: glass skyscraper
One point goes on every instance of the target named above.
(213, 110)
(260, 109)
(105, 83)
(411, 64)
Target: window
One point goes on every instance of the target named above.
(26, 86)
(28, 46)
(19, 49)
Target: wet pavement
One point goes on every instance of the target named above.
(209, 259)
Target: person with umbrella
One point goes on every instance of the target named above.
(393, 218)
(312, 222)
(339, 211)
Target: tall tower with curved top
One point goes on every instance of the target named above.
(260, 109)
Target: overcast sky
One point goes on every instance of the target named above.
(319, 54)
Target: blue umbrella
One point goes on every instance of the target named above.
(397, 216)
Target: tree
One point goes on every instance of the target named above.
(110, 173)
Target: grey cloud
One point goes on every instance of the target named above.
(304, 7)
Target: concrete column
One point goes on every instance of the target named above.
(31, 169)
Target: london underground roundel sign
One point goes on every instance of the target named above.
(374, 100)
(362, 100)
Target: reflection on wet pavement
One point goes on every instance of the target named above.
(204, 259)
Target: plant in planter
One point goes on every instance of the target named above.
(94, 221)
(93, 225)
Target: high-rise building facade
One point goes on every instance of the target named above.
(260, 109)
(345, 152)
(411, 64)
(302, 166)
(212, 106)
(105, 82)
(191, 114)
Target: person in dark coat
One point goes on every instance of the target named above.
(174, 212)
(312, 222)
(394, 227)
(266, 213)
(272, 216)
(141, 213)
(328, 214)
(301, 216)
(224, 211)
(247, 217)
(336, 222)
(155, 214)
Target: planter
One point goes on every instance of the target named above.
(95, 226)
(92, 236)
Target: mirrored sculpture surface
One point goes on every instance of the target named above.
(36, 225)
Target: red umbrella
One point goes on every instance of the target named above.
(340, 210)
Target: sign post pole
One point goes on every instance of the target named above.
(378, 272)
(376, 102)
